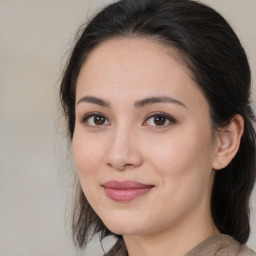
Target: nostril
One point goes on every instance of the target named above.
(122, 158)
(127, 165)
(119, 166)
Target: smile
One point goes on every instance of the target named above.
(126, 190)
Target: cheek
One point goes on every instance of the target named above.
(184, 169)
(183, 149)
(183, 161)
(87, 149)
(87, 153)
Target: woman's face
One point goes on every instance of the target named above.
(143, 142)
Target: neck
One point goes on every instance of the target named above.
(176, 240)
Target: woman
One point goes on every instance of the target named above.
(157, 98)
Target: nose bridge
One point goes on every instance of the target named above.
(121, 140)
(122, 150)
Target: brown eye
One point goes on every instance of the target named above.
(95, 120)
(159, 120)
(99, 120)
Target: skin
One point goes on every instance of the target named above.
(178, 158)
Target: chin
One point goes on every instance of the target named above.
(120, 229)
(126, 224)
(119, 225)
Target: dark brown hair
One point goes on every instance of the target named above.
(219, 65)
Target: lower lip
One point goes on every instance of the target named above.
(125, 195)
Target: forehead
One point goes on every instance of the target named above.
(133, 55)
(136, 67)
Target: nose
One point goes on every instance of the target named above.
(123, 151)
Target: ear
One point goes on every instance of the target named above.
(228, 142)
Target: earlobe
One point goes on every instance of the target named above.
(228, 142)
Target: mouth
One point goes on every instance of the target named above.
(124, 191)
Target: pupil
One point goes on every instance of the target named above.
(159, 120)
(99, 120)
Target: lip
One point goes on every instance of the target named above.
(124, 191)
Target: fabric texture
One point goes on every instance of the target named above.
(219, 245)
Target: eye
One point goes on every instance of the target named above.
(95, 119)
(159, 120)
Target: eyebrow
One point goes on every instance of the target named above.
(94, 100)
(153, 100)
(137, 104)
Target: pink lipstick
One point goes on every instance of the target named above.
(124, 191)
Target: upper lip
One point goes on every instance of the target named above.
(127, 184)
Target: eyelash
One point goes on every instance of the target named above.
(161, 114)
(169, 118)
(87, 116)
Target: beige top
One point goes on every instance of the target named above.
(219, 245)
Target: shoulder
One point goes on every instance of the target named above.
(221, 245)
(245, 251)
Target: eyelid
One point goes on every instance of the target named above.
(90, 114)
(158, 113)
(167, 116)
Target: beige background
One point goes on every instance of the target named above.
(35, 173)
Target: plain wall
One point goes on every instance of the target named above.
(35, 172)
